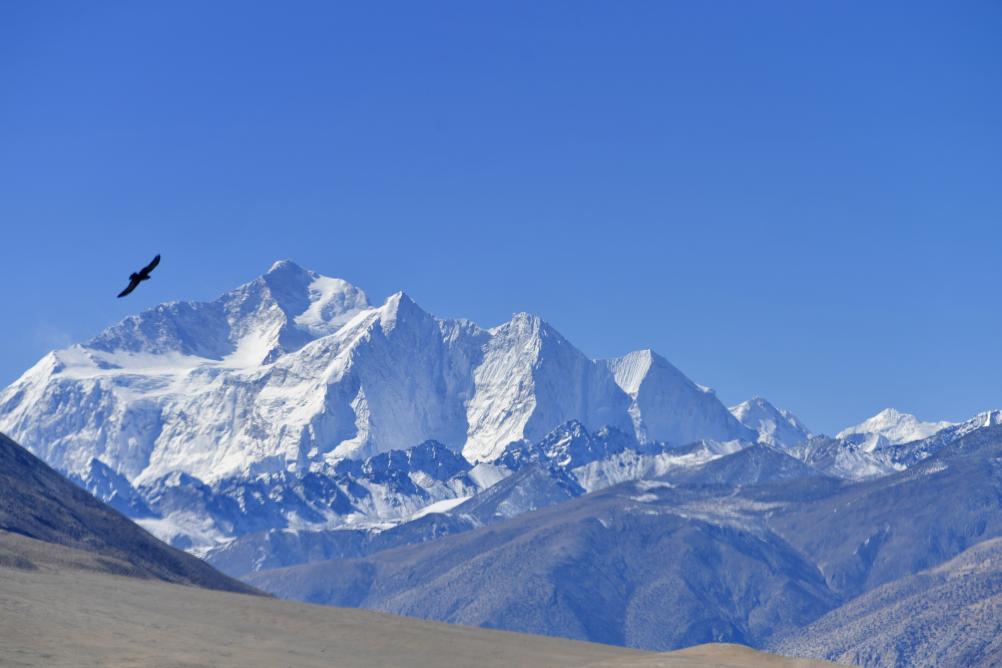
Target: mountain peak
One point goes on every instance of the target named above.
(400, 307)
(894, 427)
(307, 297)
(775, 426)
(523, 322)
(677, 410)
(282, 266)
(756, 403)
(531, 330)
(400, 298)
(287, 307)
(634, 368)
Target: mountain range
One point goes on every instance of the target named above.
(81, 585)
(326, 449)
(754, 547)
(206, 420)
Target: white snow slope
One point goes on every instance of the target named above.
(667, 406)
(295, 370)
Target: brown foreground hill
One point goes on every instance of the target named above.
(58, 617)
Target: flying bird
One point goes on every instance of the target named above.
(142, 275)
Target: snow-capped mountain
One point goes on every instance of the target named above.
(844, 459)
(867, 455)
(371, 493)
(294, 370)
(774, 426)
(291, 421)
(890, 427)
(596, 460)
(452, 498)
(750, 547)
(295, 373)
(667, 406)
(292, 403)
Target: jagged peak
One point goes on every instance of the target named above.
(521, 323)
(284, 265)
(526, 317)
(301, 304)
(984, 419)
(632, 369)
(529, 327)
(571, 427)
(287, 268)
(992, 417)
(286, 280)
(529, 322)
(296, 289)
(399, 307)
(761, 404)
(400, 298)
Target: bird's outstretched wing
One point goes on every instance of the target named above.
(145, 271)
(132, 286)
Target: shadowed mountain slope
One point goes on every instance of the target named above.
(609, 567)
(45, 520)
(866, 534)
(950, 614)
(747, 547)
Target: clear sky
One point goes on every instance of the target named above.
(801, 200)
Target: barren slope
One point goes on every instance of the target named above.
(81, 619)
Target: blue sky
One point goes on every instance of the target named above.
(800, 200)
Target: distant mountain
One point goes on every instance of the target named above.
(638, 564)
(531, 488)
(774, 426)
(47, 521)
(566, 463)
(607, 457)
(954, 438)
(753, 465)
(872, 532)
(948, 615)
(866, 455)
(749, 546)
(891, 427)
(845, 459)
(373, 492)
